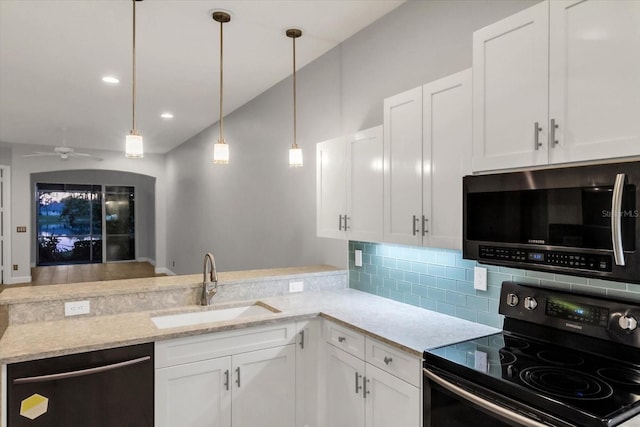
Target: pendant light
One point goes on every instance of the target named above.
(295, 153)
(221, 148)
(133, 141)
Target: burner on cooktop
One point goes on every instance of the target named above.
(566, 383)
(510, 342)
(506, 357)
(624, 376)
(558, 357)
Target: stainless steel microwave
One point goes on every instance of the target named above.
(582, 221)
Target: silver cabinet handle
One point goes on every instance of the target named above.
(302, 339)
(489, 406)
(339, 222)
(424, 225)
(81, 372)
(552, 132)
(387, 360)
(238, 379)
(536, 136)
(616, 218)
(226, 379)
(346, 223)
(358, 386)
(365, 391)
(414, 225)
(341, 339)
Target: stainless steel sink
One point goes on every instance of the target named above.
(213, 315)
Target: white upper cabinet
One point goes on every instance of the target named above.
(556, 83)
(403, 167)
(447, 118)
(364, 185)
(331, 188)
(349, 186)
(595, 79)
(510, 100)
(427, 152)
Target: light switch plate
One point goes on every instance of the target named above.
(75, 308)
(358, 260)
(480, 278)
(481, 361)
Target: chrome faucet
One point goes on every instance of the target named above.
(209, 287)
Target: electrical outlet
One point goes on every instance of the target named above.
(75, 308)
(15, 267)
(21, 229)
(297, 286)
(480, 278)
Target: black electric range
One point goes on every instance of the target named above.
(562, 359)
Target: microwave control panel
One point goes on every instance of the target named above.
(575, 260)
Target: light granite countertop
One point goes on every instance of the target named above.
(410, 328)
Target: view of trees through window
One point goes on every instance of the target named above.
(80, 223)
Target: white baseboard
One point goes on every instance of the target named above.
(145, 259)
(164, 270)
(18, 279)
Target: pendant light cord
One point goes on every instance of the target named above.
(133, 86)
(221, 87)
(295, 145)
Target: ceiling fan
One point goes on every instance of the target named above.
(64, 152)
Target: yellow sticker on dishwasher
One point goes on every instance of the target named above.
(34, 406)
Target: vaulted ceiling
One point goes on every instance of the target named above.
(54, 53)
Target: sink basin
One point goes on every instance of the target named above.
(214, 315)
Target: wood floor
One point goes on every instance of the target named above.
(57, 274)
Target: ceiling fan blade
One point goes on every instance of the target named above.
(40, 154)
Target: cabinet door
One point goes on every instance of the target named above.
(344, 406)
(403, 167)
(447, 157)
(264, 388)
(364, 185)
(194, 394)
(510, 91)
(389, 401)
(307, 371)
(595, 79)
(331, 193)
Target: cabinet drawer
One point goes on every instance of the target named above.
(344, 338)
(217, 344)
(397, 362)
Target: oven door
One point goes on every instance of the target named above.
(462, 404)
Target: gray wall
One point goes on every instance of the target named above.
(144, 201)
(256, 212)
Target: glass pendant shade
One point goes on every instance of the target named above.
(221, 153)
(133, 146)
(295, 157)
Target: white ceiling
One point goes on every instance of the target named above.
(53, 54)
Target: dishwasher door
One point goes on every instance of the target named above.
(105, 388)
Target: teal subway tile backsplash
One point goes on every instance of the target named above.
(441, 280)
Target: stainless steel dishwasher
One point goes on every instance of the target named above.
(105, 388)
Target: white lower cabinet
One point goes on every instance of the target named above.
(357, 393)
(226, 379)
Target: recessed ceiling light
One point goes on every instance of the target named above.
(111, 80)
(166, 115)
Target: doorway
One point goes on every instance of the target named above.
(82, 224)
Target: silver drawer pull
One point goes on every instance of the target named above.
(341, 339)
(536, 132)
(387, 360)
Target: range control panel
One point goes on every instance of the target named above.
(554, 258)
(596, 317)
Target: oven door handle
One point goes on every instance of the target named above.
(491, 407)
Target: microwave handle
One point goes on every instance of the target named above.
(485, 404)
(616, 219)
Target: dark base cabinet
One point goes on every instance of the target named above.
(106, 388)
